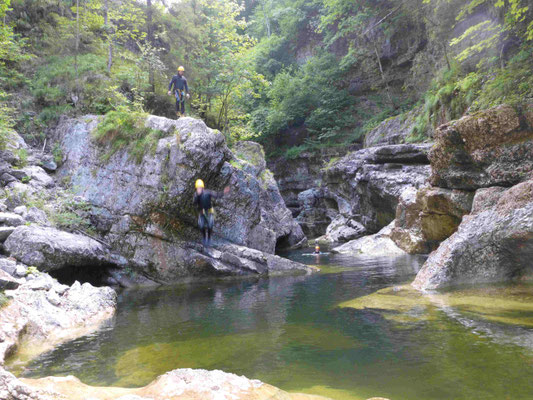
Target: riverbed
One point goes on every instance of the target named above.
(325, 334)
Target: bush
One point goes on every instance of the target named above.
(125, 129)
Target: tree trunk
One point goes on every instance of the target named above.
(150, 37)
(383, 74)
(110, 49)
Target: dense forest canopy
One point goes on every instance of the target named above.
(292, 74)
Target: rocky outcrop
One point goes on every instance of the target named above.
(143, 207)
(493, 244)
(182, 384)
(300, 184)
(394, 130)
(376, 245)
(43, 312)
(488, 148)
(50, 249)
(367, 184)
(486, 152)
(426, 217)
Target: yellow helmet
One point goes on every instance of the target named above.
(199, 184)
(180, 68)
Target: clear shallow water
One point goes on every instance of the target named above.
(290, 332)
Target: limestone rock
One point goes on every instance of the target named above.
(378, 244)
(10, 219)
(8, 265)
(427, 216)
(493, 245)
(394, 130)
(5, 231)
(7, 282)
(49, 248)
(37, 216)
(488, 148)
(343, 229)
(39, 177)
(150, 218)
(185, 384)
(368, 183)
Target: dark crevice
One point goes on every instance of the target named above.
(282, 243)
(96, 275)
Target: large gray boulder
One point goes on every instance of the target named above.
(367, 184)
(489, 148)
(493, 244)
(143, 208)
(49, 249)
(376, 245)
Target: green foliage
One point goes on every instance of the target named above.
(57, 152)
(71, 214)
(22, 155)
(3, 299)
(123, 129)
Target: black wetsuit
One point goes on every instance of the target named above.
(206, 219)
(180, 88)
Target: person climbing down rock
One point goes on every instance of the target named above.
(203, 201)
(178, 85)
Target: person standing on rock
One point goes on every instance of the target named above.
(178, 85)
(203, 202)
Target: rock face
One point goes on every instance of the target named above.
(394, 130)
(486, 152)
(367, 184)
(488, 148)
(425, 217)
(49, 248)
(376, 245)
(144, 209)
(493, 244)
(300, 184)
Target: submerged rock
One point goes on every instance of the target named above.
(49, 248)
(492, 245)
(488, 148)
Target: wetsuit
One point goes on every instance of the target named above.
(180, 89)
(206, 219)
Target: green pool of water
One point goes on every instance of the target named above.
(342, 333)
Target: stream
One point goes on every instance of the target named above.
(289, 331)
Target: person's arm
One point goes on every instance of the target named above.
(170, 86)
(186, 88)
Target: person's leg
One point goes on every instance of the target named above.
(183, 108)
(177, 107)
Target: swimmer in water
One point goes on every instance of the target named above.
(317, 247)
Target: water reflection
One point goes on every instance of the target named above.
(290, 332)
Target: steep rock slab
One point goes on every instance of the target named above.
(494, 244)
(144, 207)
(368, 183)
(426, 217)
(50, 249)
(488, 148)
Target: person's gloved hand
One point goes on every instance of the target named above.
(188, 96)
(169, 93)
